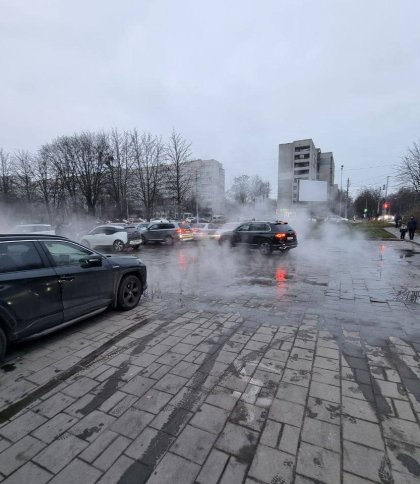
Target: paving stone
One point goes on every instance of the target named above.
(391, 389)
(77, 471)
(213, 468)
(327, 363)
(326, 376)
(265, 378)
(80, 387)
(404, 458)
(127, 402)
(92, 425)
(363, 432)
(306, 354)
(126, 470)
(358, 409)
(194, 444)
(234, 473)
(223, 397)
(98, 446)
(270, 465)
(286, 412)
(210, 418)
(238, 440)
(363, 461)
(297, 377)
(352, 479)
(171, 383)
(277, 355)
(188, 398)
(29, 473)
(59, 453)
(401, 430)
(321, 434)
(53, 405)
(299, 364)
(272, 366)
(132, 422)
(171, 419)
(54, 427)
(150, 446)
(322, 410)
(357, 390)
(289, 439)
(325, 392)
(404, 410)
(249, 416)
(292, 393)
(14, 456)
(174, 468)
(112, 452)
(138, 385)
(21, 426)
(318, 463)
(170, 359)
(153, 401)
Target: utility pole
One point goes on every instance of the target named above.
(196, 196)
(341, 189)
(347, 198)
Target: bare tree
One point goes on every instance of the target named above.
(23, 169)
(259, 189)
(178, 175)
(119, 165)
(6, 179)
(241, 190)
(409, 168)
(147, 154)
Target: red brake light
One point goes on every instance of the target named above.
(279, 236)
(178, 231)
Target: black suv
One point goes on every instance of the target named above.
(265, 236)
(48, 282)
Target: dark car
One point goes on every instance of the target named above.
(48, 282)
(167, 232)
(265, 236)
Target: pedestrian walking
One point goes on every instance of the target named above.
(397, 220)
(411, 226)
(403, 230)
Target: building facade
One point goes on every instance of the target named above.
(301, 160)
(208, 185)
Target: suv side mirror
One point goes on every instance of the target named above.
(91, 261)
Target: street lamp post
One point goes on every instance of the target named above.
(341, 188)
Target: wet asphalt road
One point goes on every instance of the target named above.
(319, 379)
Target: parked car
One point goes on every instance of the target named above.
(48, 282)
(42, 229)
(167, 233)
(118, 237)
(228, 227)
(265, 236)
(336, 219)
(203, 231)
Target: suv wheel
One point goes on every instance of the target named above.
(129, 292)
(143, 240)
(118, 246)
(169, 240)
(265, 248)
(3, 344)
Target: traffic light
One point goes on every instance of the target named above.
(365, 210)
(385, 205)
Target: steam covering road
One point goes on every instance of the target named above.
(285, 368)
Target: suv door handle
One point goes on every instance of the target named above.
(66, 278)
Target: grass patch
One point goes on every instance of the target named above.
(372, 230)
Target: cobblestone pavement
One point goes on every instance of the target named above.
(234, 368)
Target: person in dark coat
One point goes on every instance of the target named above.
(403, 230)
(411, 226)
(397, 219)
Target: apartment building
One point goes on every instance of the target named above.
(301, 160)
(208, 182)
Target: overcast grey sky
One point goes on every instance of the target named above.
(235, 77)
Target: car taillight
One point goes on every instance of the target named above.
(279, 236)
(179, 231)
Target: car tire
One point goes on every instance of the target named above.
(85, 243)
(129, 292)
(168, 240)
(265, 247)
(143, 240)
(136, 247)
(3, 344)
(118, 246)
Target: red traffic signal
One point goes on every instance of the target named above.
(385, 205)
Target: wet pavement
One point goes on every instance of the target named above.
(299, 367)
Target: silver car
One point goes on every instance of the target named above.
(167, 233)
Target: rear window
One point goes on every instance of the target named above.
(198, 226)
(281, 227)
(184, 226)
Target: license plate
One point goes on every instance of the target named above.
(135, 242)
(289, 238)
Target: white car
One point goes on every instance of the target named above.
(204, 231)
(116, 236)
(225, 228)
(39, 229)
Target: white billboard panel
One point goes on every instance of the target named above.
(313, 191)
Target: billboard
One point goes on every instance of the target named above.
(313, 191)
